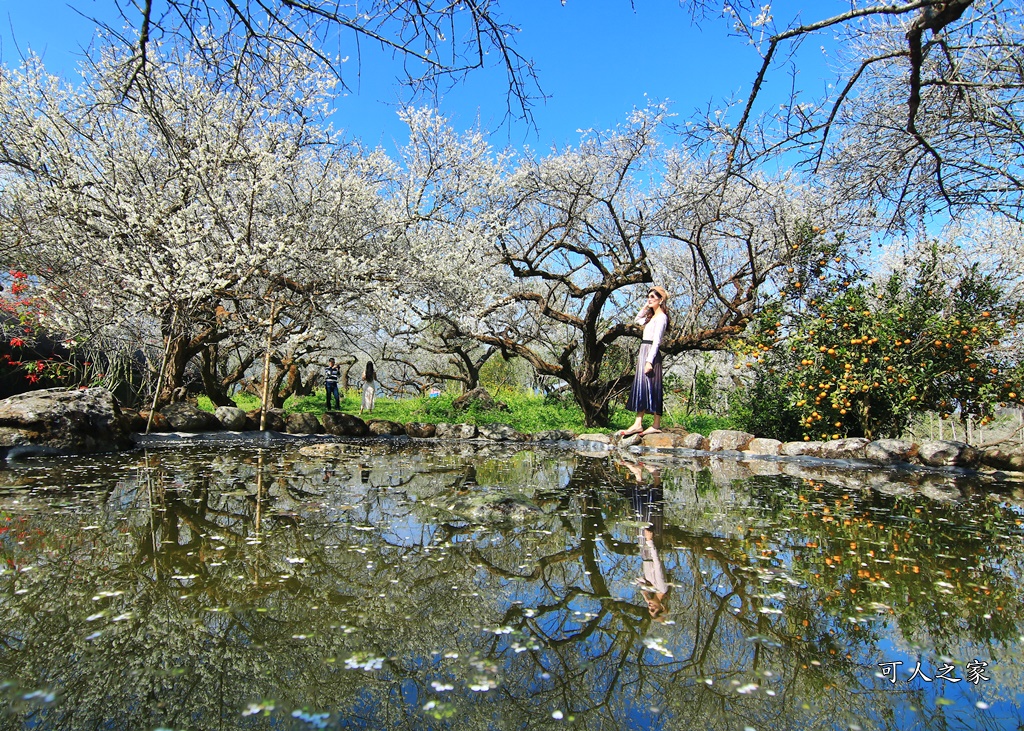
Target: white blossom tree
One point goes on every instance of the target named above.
(553, 252)
(191, 201)
(732, 242)
(447, 191)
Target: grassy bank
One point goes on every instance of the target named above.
(526, 413)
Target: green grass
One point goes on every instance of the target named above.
(528, 413)
(244, 401)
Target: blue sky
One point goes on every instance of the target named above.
(596, 59)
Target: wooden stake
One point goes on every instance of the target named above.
(163, 369)
(266, 366)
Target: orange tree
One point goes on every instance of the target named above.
(853, 357)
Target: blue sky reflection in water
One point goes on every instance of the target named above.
(388, 587)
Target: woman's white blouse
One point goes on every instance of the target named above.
(653, 331)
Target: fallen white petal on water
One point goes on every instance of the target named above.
(255, 708)
(657, 644)
(104, 594)
(363, 661)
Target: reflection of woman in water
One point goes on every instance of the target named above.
(649, 511)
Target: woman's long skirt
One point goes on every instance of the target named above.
(368, 396)
(646, 394)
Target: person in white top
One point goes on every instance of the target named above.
(647, 395)
(369, 387)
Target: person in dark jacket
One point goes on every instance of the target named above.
(331, 381)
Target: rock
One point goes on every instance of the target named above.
(385, 428)
(275, 420)
(602, 438)
(58, 421)
(852, 448)
(763, 467)
(947, 454)
(1003, 458)
(420, 430)
(801, 449)
(631, 441)
(553, 435)
(344, 425)
(499, 433)
(695, 441)
(943, 492)
(727, 471)
(302, 423)
(324, 449)
(482, 398)
(494, 508)
(593, 453)
(890, 451)
(455, 431)
(764, 446)
(158, 424)
(185, 417)
(131, 421)
(727, 439)
(231, 418)
(680, 430)
(664, 440)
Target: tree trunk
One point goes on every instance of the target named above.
(212, 383)
(292, 376)
(864, 414)
(343, 383)
(278, 395)
(594, 399)
(178, 356)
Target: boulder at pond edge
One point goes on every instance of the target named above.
(344, 425)
(185, 417)
(58, 421)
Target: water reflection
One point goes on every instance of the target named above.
(384, 587)
(648, 501)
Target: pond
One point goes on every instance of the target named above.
(382, 585)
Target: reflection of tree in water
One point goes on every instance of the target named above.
(232, 594)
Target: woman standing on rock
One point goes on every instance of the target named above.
(646, 396)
